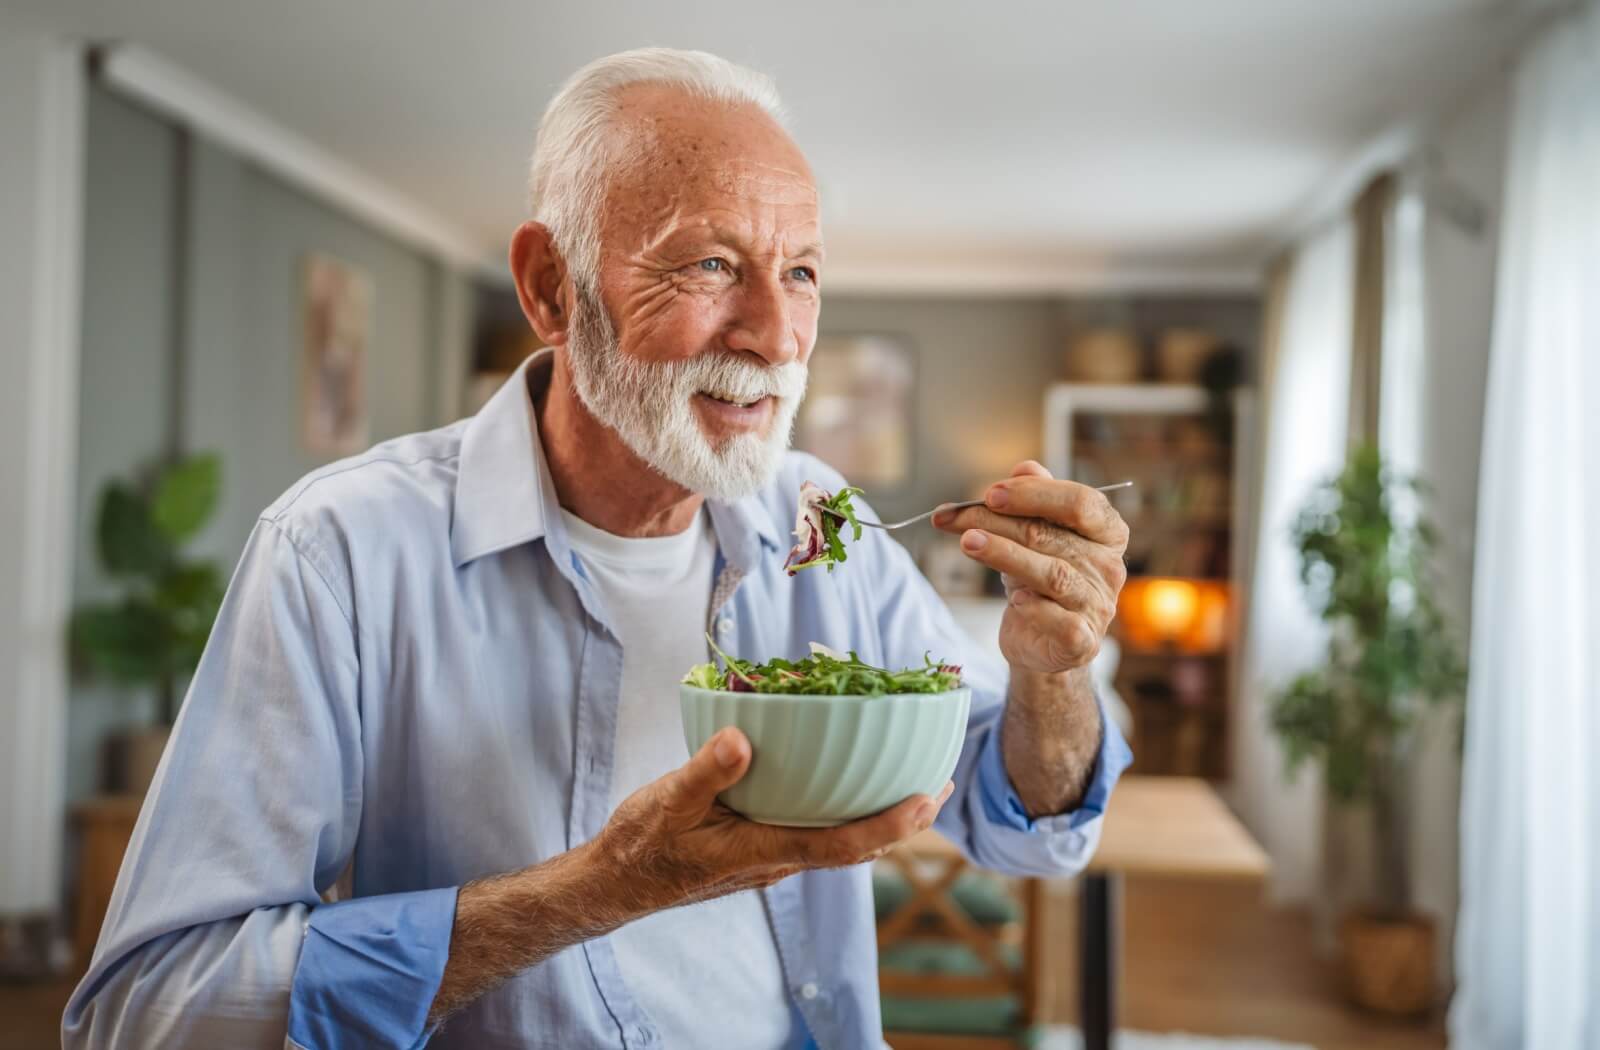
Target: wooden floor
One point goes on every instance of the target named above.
(1200, 958)
(1212, 959)
(32, 1015)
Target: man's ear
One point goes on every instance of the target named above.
(542, 287)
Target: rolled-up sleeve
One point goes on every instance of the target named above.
(1002, 806)
(216, 934)
(984, 816)
(1006, 838)
(369, 969)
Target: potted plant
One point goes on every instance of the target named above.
(152, 635)
(1364, 560)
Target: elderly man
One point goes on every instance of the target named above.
(443, 681)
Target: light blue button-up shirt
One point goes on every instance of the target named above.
(412, 685)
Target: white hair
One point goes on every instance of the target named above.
(576, 150)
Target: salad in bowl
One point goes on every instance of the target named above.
(834, 738)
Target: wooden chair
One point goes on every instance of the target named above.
(972, 951)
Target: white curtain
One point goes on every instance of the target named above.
(42, 108)
(1305, 384)
(1528, 944)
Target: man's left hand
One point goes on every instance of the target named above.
(1058, 546)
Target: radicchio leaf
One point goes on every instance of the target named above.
(809, 538)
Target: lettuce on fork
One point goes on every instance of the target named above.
(819, 535)
(824, 672)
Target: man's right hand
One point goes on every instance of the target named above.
(671, 842)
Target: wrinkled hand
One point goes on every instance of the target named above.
(1058, 546)
(671, 842)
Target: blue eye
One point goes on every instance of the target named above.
(711, 265)
(803, 273)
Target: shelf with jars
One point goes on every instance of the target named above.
(1175, 622)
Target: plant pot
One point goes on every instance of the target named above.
(134, 757)
(1389, 962)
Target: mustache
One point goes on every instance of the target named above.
(727, 374)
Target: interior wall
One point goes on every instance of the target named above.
(234, 388)
(242, 384)
(982, 366)
(1459, 280)
(981, 369)
(125, 388)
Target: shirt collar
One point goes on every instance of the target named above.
(505, 496)
(742, 529)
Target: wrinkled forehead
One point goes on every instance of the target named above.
(684, 156)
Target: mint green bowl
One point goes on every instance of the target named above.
(824, 760)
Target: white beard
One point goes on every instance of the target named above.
(648, 404)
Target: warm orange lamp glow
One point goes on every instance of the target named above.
(1170, 606)
(1156, 612)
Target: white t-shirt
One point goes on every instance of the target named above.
(657, 591)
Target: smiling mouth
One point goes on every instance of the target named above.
(733, 401)
(723, 413)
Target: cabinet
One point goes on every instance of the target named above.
(1187, 453)
(106, 824)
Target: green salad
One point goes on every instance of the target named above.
(824, 672)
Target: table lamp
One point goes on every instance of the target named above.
(1174, 614)
(1186, 621)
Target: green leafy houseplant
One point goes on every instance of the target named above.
(1364, 560)
(153, 635)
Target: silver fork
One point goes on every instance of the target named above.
(892, 525)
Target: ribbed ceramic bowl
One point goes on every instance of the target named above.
(823, 760)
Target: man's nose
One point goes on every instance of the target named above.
(762, 324)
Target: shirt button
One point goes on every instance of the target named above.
(808, 991)
(725, 626)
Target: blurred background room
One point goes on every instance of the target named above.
(1322, 278)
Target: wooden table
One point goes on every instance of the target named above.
(1154, 826)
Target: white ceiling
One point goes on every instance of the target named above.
(1012, 144)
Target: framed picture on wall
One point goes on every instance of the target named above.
(858, 415)
(337, 301)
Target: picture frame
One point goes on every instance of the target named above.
(859, 415)
(337, 307)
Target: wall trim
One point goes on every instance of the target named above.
(983, 277)
(213, 114)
